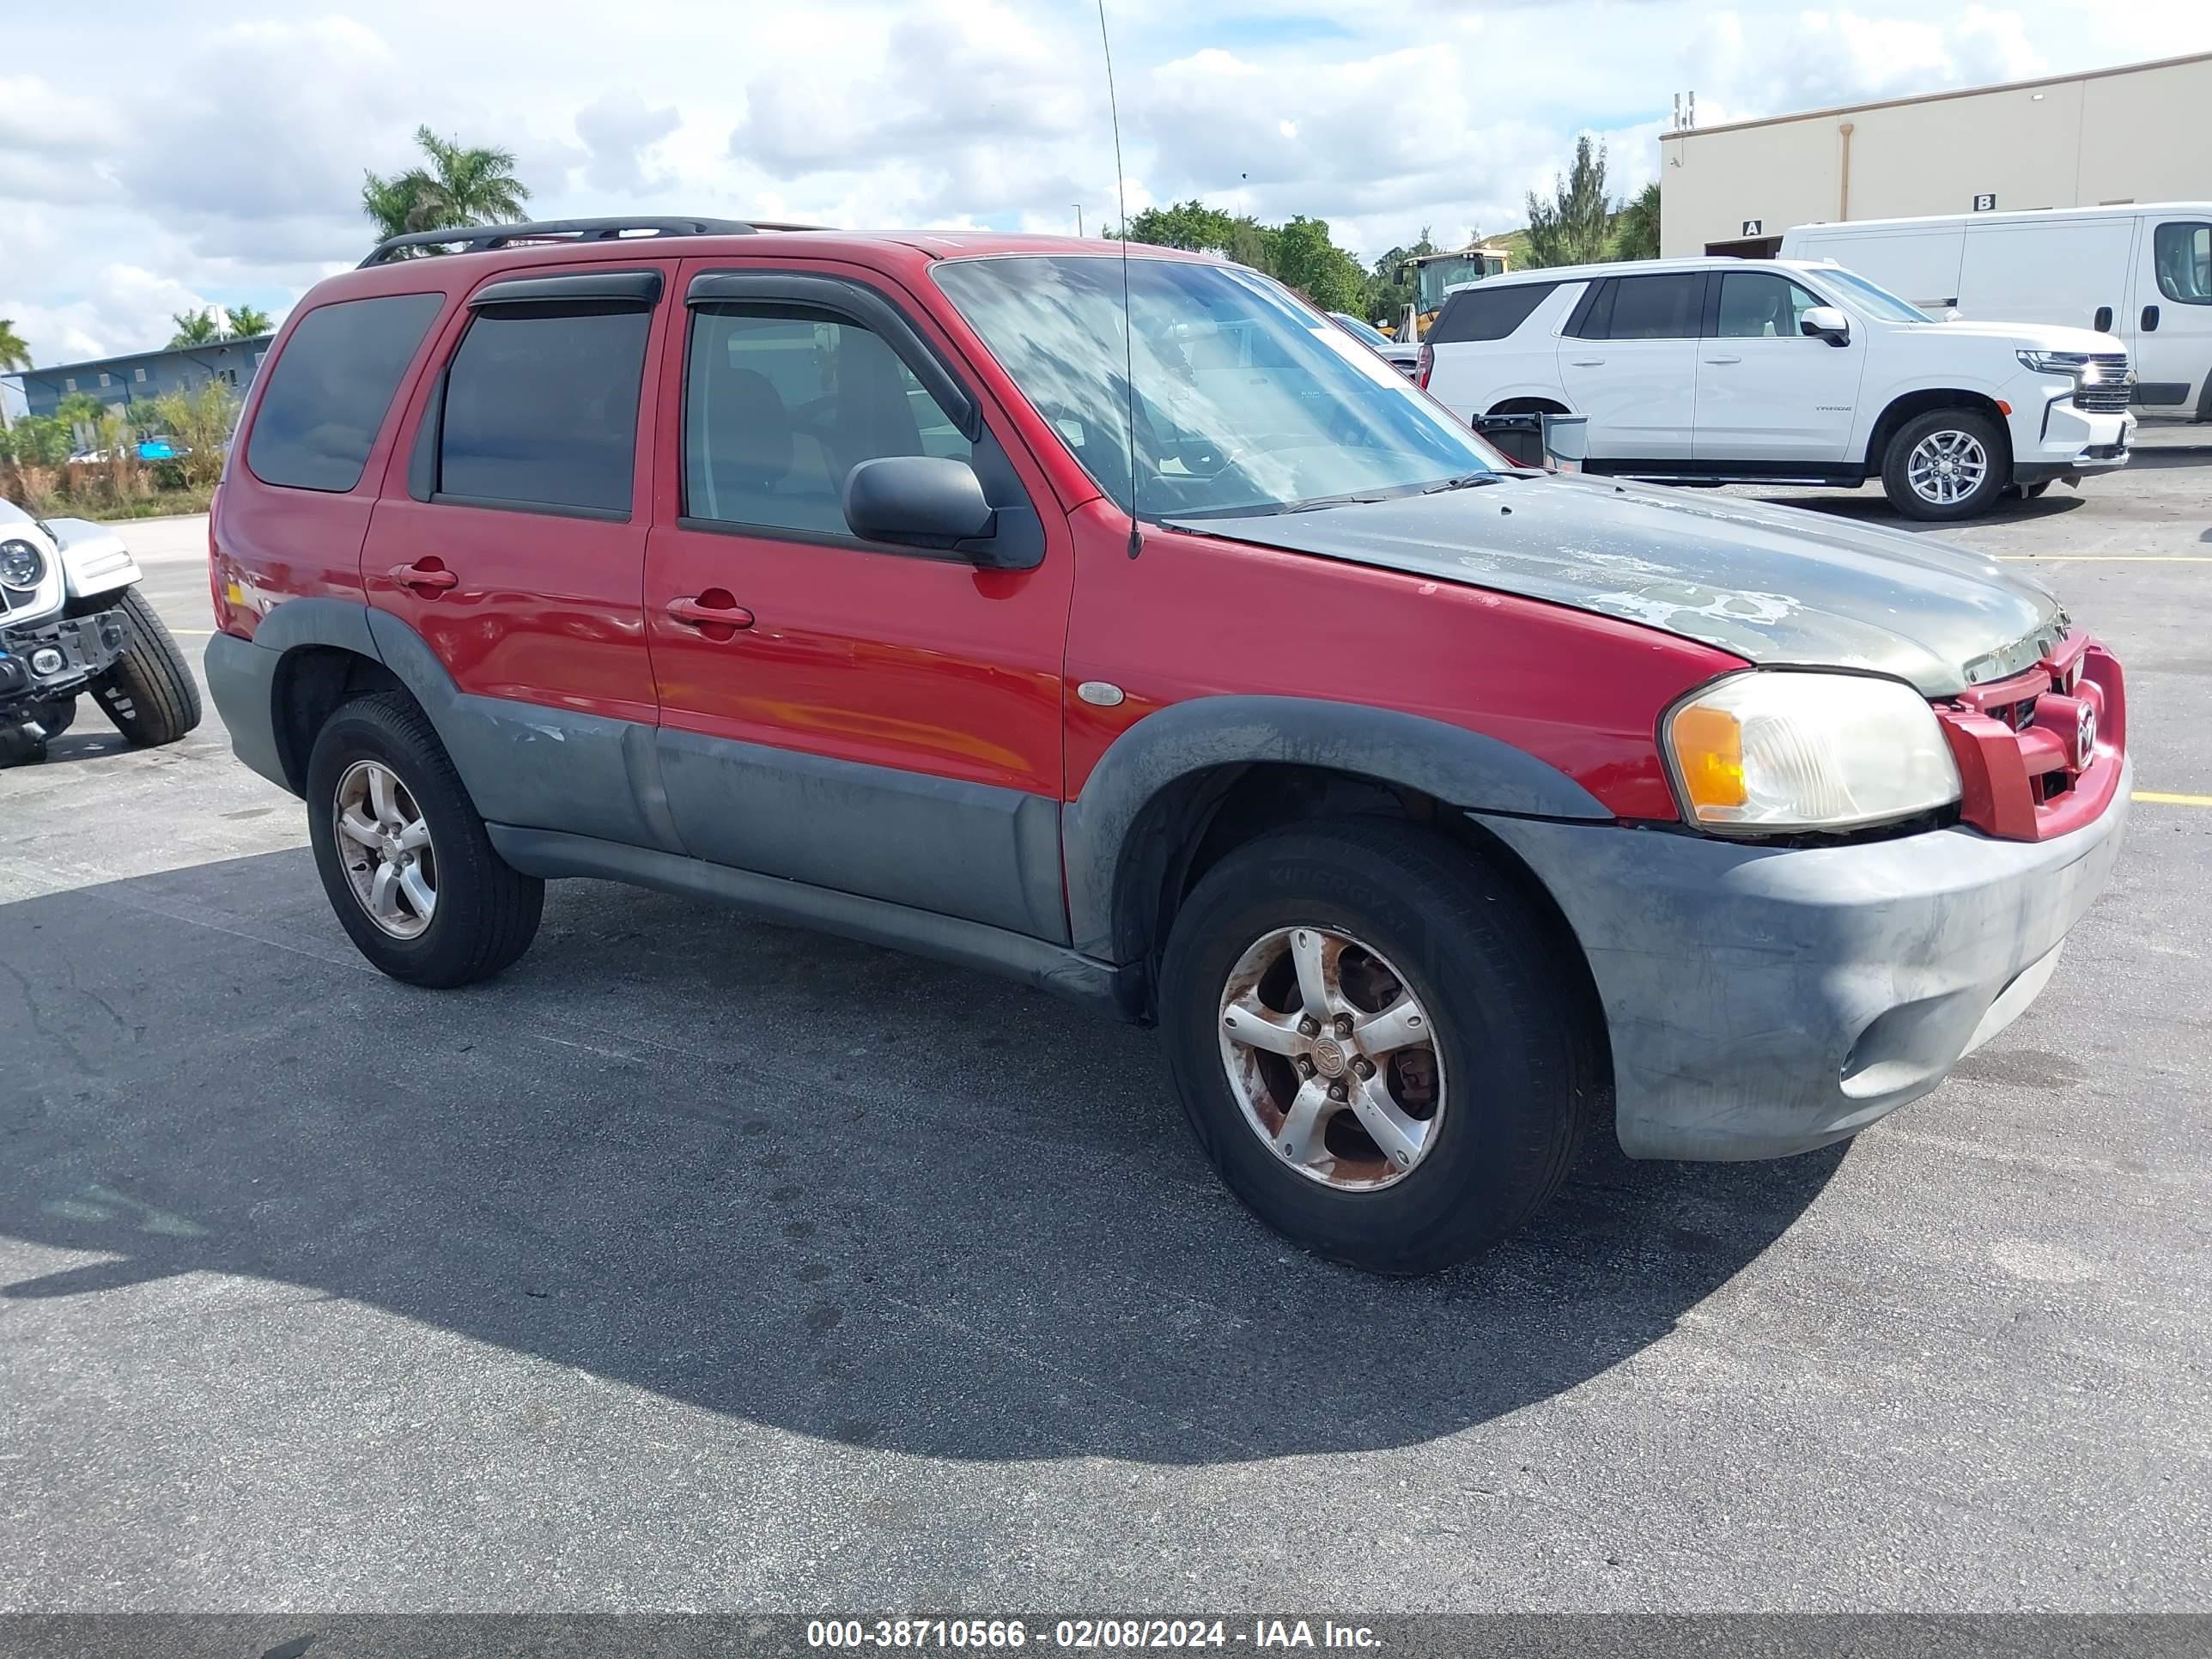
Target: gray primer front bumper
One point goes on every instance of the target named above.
(1763, 1001)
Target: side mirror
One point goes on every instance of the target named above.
(917, 500)
(1827, 323)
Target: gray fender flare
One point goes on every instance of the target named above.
(1451, 762)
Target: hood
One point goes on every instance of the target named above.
(1772, 585)
(2032, 337)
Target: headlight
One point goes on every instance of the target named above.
(1777, 751)
(2054, 362)
(22, 565)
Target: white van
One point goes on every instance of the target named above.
(2141, 271)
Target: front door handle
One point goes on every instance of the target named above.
(713, 609)
(424, 574)
(1587, 362)
(1723, 360)
(2102, 322)
(2150, 320)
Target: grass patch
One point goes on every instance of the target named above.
(162, 504)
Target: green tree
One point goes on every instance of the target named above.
(1190, 225)
(1301, 254)
(1393, 287)
(14, 355)
(462, 185)
(247, 322)
(1576, 226)
(1636, 229)
(200, 421)
(196, 328)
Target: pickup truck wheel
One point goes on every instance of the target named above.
(1949, 463)
(1375, 1041)
(148, 693)
(403, 854)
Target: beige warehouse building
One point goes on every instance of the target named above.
(2137, 133)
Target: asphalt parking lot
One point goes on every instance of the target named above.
(701, 1264)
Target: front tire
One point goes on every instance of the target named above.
(403, 854)
(1947, 465)
(148, 693)
(1378, 1041)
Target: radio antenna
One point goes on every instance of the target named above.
(1128, 321)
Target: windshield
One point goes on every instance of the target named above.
(1877, 302)
(1247, 401)
(1367, 333)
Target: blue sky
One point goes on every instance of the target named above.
(154, 158)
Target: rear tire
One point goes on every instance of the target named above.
(484, 912)
(1512, 1069)
(150, 693)
(1947, 465)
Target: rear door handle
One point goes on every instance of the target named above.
(2150, 320)
(710, 610)
(424, 573)
(1587, 362)
(1723, 360)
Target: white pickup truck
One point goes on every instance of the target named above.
(1741, 371)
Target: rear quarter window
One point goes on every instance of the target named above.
(1486, 313)
(331, 386)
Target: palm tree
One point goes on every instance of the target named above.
(1636, 229)
(13, 355)
(462, 185)
(247, 322)
(195, 328)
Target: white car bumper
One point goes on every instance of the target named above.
(2063, 441)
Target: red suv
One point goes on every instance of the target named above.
(1125, 626)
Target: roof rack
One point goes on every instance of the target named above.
(480, 239)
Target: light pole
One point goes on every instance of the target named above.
(1078, 219)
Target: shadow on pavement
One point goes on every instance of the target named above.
(814, 1185)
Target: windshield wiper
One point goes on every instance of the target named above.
(1314, 503)
(1468, 482)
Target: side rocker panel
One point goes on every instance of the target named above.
(1462, 768)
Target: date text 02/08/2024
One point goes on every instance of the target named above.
(1107, 1634)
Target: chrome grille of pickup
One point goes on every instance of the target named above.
(2109, 392)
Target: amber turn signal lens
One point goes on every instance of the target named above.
(1709, 749)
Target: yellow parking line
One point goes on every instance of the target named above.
(2170, 800)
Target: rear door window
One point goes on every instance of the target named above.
(1487, 313)
(1656, 307)
(541, 408)
(332, 388)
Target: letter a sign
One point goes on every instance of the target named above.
(1754, 227)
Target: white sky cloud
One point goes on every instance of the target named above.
(154, 158)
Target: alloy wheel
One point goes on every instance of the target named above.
(1332, 1058)
(384, 843)
(1948, 466)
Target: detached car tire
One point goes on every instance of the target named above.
(1380, 1041)
(1949, 463)
(148, 693)
(403, 853)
